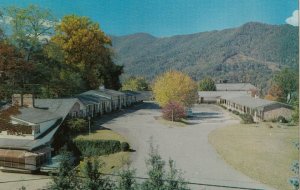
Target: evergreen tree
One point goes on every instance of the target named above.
(65, 178)
(127, 180)
(92, 179)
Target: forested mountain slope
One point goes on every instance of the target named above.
(250, 53)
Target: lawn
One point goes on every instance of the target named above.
(112, 162)
(262, 152)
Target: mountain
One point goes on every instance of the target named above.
(249, 53)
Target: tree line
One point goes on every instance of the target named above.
(53, 58)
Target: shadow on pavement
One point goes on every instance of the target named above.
(98, 121)
(205, 115)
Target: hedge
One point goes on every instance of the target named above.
(97, 147)
(247, 118)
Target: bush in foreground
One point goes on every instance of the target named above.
(77, 125)
(247, 118)
(90, 176)
(125, 146)
(282, 119)
(97, 147)
(173, 111)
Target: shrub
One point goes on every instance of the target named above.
(125, 146)
(222, 106)
(247, 118)
(97, 147)
(77, 125)
(282, 119)
(229, 109)
(173, 111)
(236, 112)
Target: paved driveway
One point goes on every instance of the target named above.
(188, 146)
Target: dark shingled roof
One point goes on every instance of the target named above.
(88, 99)
(36, 116)
(255, 102)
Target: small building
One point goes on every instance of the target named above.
(217, 96)
(260, 109)
(95, 105)
(25, 144)
(118, 99)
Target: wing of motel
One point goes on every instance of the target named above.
(241, 97)
(30, 148)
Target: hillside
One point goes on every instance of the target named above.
(250, 53)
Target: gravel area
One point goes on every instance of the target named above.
(188, 145)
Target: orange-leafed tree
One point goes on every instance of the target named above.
(274, 93)
(13, 70)
(86, 48)
(175, 86)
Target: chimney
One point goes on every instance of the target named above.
(28, 100)
(21, 100)
(17, 100)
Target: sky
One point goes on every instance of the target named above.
(170, 17)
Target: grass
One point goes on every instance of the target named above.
(263, 152)
(112, 162)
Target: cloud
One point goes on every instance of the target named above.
(293, 20)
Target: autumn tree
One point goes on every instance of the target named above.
(175, 86)
(86, 48)
(207, 84)
(173, 111)
(275, 93)
(12, 68)
(29, 28)
(135, 84)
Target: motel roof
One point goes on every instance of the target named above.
(35, 116)
(254, 102)
(222, 94)
(61, 107)
(27, 144)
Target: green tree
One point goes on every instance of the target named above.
(30, 26)
(92, 179)
(65, 178)
(135, 84)
(156, 171)
(175, 86)
(175, 181)
(295, 116)
(127, 180)
(207, 84)
(159, 178)
(287, 80)
(77, 125)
